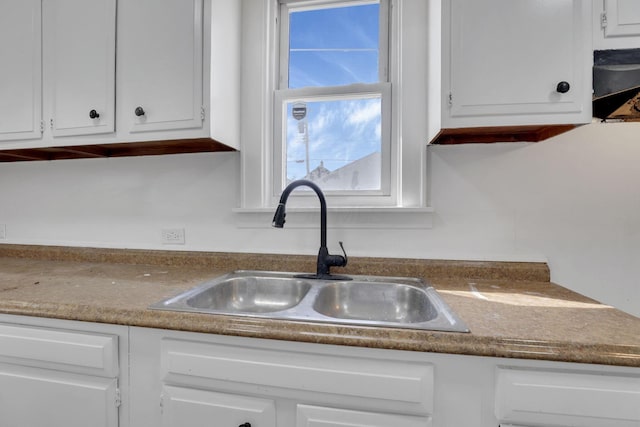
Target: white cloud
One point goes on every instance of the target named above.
(364, 114)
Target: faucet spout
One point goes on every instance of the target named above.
(325, 260)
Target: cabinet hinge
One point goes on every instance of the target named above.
(41, 126)
(51, 123)
(450, 99)
(603, 20)
(202, 113)
(118, 398)
(161, 403)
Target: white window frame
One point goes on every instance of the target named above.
(411, 63)
(333, 93)
(382, 88)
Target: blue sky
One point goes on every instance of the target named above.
(334, 47)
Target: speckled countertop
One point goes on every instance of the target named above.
(511, 309)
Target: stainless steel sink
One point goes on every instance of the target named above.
(251, 294)
(386, 302)
(365, 300)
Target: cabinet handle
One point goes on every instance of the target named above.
(563, 87)
(139, 111)
(93, 114)
(245, 425)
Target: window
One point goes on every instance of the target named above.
(333, 104)
(291, 90)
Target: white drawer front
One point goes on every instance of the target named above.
(186, 407)
(316, 416)
(402, 382)
(529, 397)
(65, 350)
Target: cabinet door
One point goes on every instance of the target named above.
(315, 416)
(556, 398)
(516, 62)
(622, 18)
(20, 73)
(79, 66)
(160, 59)
(43, 398)
(185, 407)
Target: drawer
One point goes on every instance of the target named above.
(316, 416)
(401, 382)
(552, 398)
(65, 350)
(191, 407)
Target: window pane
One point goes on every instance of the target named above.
(334, 46)
(335, 143)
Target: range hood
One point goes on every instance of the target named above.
(616, 84)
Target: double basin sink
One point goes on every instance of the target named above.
(363, 300)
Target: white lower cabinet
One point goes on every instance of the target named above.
(533, 397)
(187, 407)
(60, 374)
(44, 398)
(57, 373)
(183, 379)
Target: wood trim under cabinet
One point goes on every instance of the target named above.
(129, 149)
(485, 135)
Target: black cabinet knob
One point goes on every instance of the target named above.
(139, 111)
(93, 114)
(245, 425)
(563, 87)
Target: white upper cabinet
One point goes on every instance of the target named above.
(516, 63)
(96, 72)
(161, 60)
(20, 73)
(79, 66)
(617, 24)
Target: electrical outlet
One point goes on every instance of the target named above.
(173, 236)
(3, 231)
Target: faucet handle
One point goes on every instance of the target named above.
(346, 259)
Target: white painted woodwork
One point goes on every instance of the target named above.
(502, 61)
(552, 398)
(466, 389)
(31, 397)
(223, 82)
(616, 24)
(164, 388)
(79, 66)
(186, 407)
(59, 349)
(161, 60)
(169, 60)
(21, 70)
(622, 18)
(63, 373)
(400, 382)
(315, 416)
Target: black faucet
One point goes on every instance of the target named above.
(325, 261)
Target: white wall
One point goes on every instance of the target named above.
(573, 200)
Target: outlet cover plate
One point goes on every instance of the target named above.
(173, 236)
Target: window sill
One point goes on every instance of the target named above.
(341, 217)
